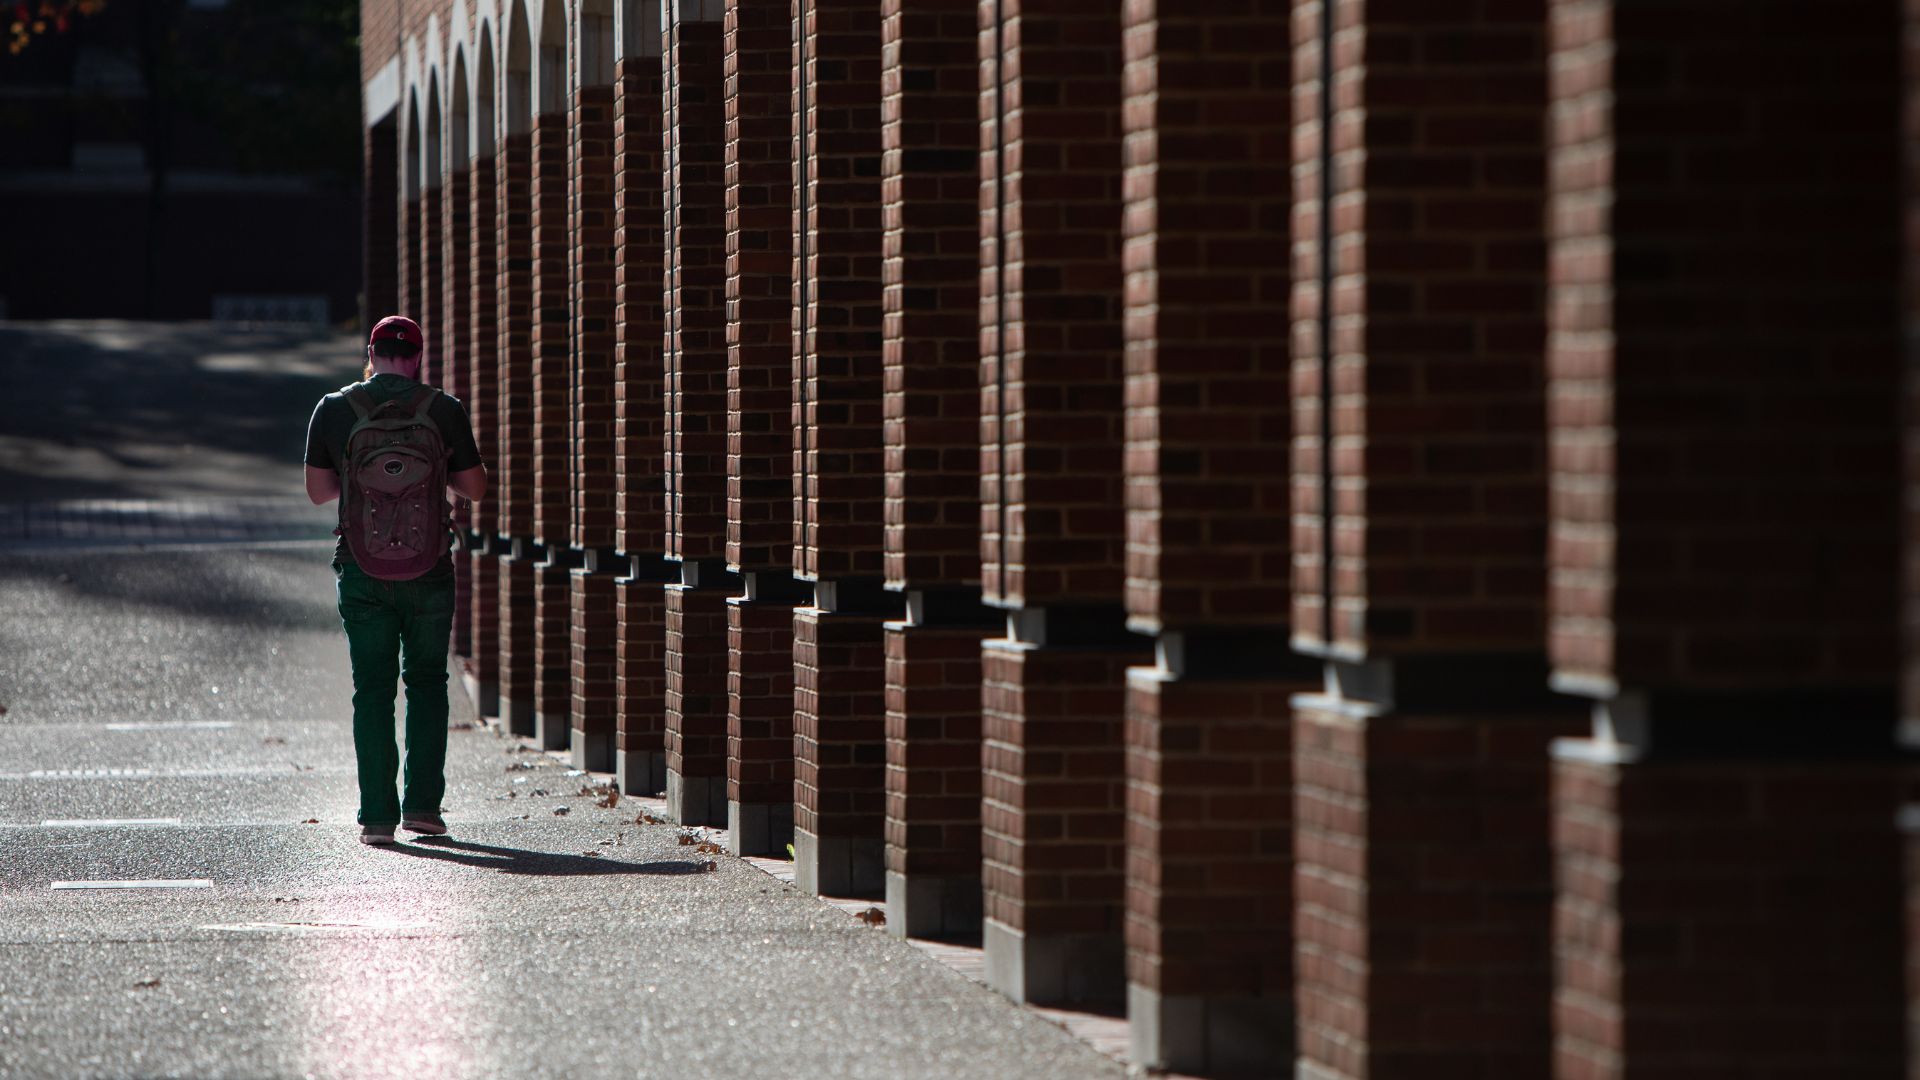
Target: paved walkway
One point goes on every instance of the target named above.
(179, 718)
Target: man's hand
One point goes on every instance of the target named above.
(469, 484)
(323, 485)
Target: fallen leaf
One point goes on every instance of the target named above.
(562, 811)
(688, 839)
(708, 867)
(612, 800)
(3, 710)
(593, 854)
(522, 817)
(873, 916)
(520, 766)
(461, 726)
(311, 821)
(272, 739)
(536, 791)
(710, 849)
(149, 983)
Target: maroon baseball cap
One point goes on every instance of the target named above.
(398, 328)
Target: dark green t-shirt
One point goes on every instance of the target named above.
(333, 421)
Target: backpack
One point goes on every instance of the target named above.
(393, 480)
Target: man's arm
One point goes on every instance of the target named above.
(469, 484)
(323, 485)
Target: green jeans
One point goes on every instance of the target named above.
(398, 629)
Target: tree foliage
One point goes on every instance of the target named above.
(31, 20)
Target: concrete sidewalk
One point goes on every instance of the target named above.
(182, 717)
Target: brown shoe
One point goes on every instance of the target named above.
(429, 824)
(376, 834)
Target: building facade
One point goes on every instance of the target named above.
(1374, 534)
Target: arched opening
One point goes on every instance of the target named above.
(553, 58)
(519, 72)
(596, 43)
(413, 145)
(435, 163)
(483, 96)
(639, 28)
(460, 120)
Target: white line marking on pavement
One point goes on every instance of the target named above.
(80, 823)
(171, 725)
(180, 774)
(375, 924)
(197, 883)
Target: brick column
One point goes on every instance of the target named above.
(552, 346)
(1052, 519)
(380, 231)
(640, 683)
(513, 420)
(757, 60)
(1420, 493)
(1725, 406)
(839, 665)
(696, 394)
(433, 297)
(930, 177)
(592, 719)
(456, 321)
(1208, 736)
(482, 666)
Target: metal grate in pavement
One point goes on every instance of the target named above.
(160, 523)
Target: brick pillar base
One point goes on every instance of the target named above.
(552, 652)
(696, 705)
(1210, 874)
(1726, 918)
(1422, 876)
(640, 686)
(516, 644)
(1053, 820)
(839, 750)
(760, 718)
(933, 779)
(481, 671)
(592, 657)
(462, 643)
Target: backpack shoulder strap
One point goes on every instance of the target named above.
(358, 397)
(422, 399)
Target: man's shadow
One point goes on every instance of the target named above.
(538, 863)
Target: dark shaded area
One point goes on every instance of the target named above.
(124, 390)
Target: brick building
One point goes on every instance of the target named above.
(1370, 533)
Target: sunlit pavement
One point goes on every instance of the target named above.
(170, 654)
(206, 692)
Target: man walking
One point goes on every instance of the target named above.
(389, 448)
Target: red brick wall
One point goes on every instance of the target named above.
(552, 326)
(759, 180)
(595, 307)
(1051, 519)
(482, 398)
(696, 354)
(1723, 383)
(1720, 919)
(837, 466)
(930, 301)
(514, 408)
(640, 517)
